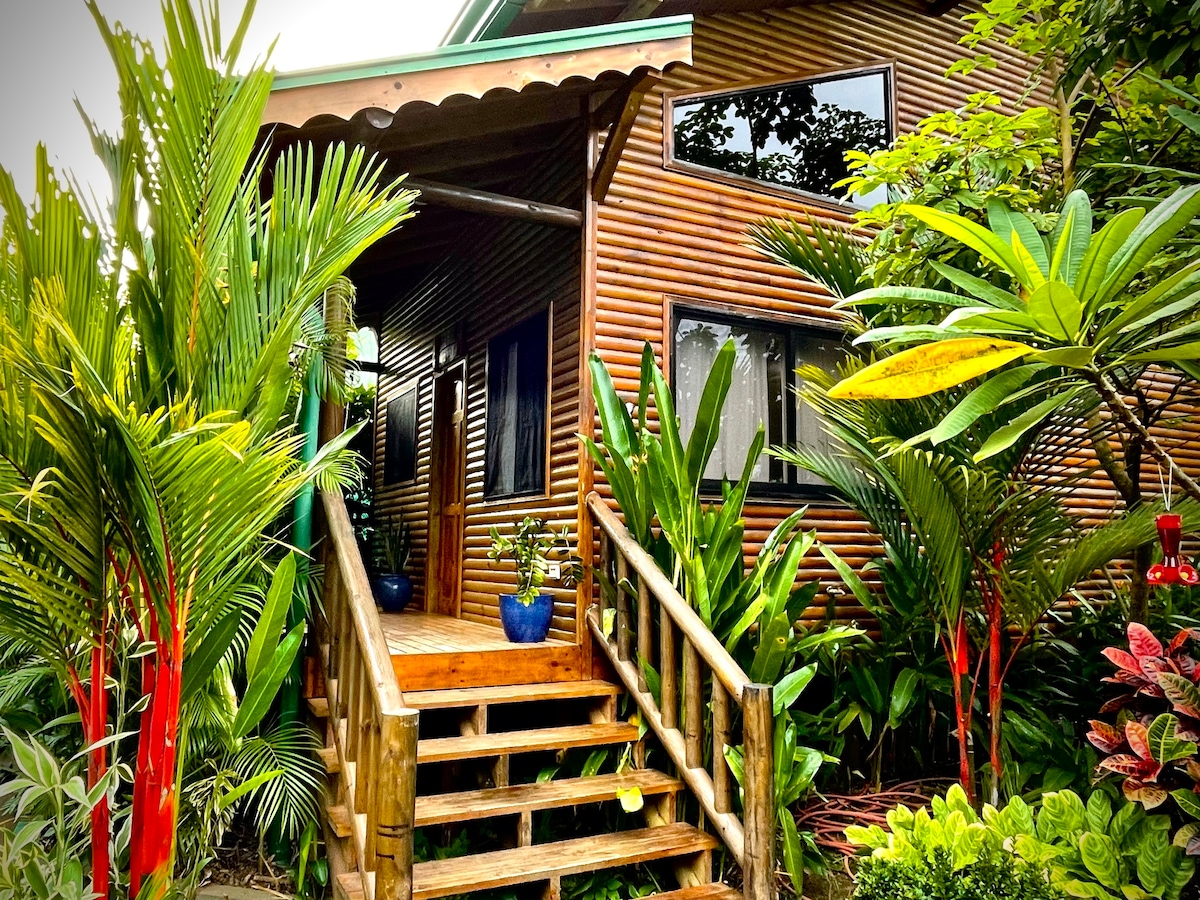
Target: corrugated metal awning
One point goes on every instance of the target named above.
(472, 70)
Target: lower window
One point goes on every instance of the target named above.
(517, 375)
(762, 391)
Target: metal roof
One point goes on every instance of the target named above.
(496, 50)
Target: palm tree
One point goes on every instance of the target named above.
(147, 385)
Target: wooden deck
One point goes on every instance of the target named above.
(432, 652)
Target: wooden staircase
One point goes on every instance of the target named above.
(475, 713)
(447, 758)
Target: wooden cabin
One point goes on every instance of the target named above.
(588, 171)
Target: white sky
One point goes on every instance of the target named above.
(51, 54)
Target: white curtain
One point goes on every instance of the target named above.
(755, 390)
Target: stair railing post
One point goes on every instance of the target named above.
(758, 870)
(394, 812)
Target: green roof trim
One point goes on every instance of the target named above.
(498, 50)
(481, 20)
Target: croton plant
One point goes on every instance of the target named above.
(1153, 742)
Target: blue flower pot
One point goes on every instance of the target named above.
(526, 624)
(392, 592)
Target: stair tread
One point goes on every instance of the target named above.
(437, 809)
(349, 886)
(318, 706)
(339, 820)
(714, 891)
(329, 759)
(504, 742)
(540, 862)
(516, 693)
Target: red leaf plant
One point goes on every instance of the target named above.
(1152, 744)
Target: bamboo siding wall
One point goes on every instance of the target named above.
(501, 272)
(664, 236)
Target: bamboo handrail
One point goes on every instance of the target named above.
(750, 839)
(374, 733)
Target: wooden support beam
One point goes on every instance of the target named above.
(618, 135)
(487, 203)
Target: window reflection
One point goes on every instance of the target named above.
(795, 135)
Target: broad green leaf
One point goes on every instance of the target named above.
(1024, 238)
(266, 633)
(1101, 857)
(903, 692)
(246, 787)
(793, 851)
(199, 666)
(1182, 693)
(619, 431)
(1003, 438)
(987, 244)
(849, 577)
(707, 426)
(977, 287)
(1144, 308)
(261, 692)
(784, 694)
(1152, 233)
(1068, 357)
(985, 318)
(1101, 250)
(982, 400)
(1099, 812)
(1188, 800)
(908, 293)
(1056, 310)
(1185, 117)
(1168, 354)
(929, 368)
(1165, 747)
(1071, 236)
(1034, 278)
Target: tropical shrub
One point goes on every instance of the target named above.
(1080, 849)
(1155, 752)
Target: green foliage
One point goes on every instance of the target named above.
(530, 546)
(392, 545)
(1082, 849)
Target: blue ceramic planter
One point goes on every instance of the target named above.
(526, 624)
(392, 592)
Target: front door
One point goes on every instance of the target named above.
(446, 490)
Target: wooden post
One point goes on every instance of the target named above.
(623, 612)
(693, 705)
(758, 869)
(668, 670)
(394, 809)
(644, 635)
(333, 415)
(722, 789)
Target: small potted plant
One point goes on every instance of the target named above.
(393, 544)
(526, 614)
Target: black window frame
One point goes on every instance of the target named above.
(541, 320)
(885, 67)
(789, 488)
(400, 467)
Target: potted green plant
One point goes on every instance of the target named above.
(526, 614)
(393, 544)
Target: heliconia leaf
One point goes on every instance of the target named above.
(1142, 642)
(1181, 692)
(1121, 659)
(929, 368)
(1150, 796)
(1105, 737)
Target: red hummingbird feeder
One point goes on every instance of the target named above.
(1170, 570)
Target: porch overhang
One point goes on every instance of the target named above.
(501, 66)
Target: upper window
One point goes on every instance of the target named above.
(400, 439)
(518, 371)
(762, 391)
(793, 135)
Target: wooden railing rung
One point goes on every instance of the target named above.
(751, 838)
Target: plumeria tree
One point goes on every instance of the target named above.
(147, 383)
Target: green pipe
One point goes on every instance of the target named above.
(302, 539)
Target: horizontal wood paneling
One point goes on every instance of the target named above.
(499, 273)
(666, 235)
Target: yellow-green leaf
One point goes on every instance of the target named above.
(631, 799)
(931, 367)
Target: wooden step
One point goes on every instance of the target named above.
(349, 886)
(516, 693)
(714, 891)
(339, 820)
(479, 746)
(464, 806)
(543, 862)
(318, 706)
(329, 759)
